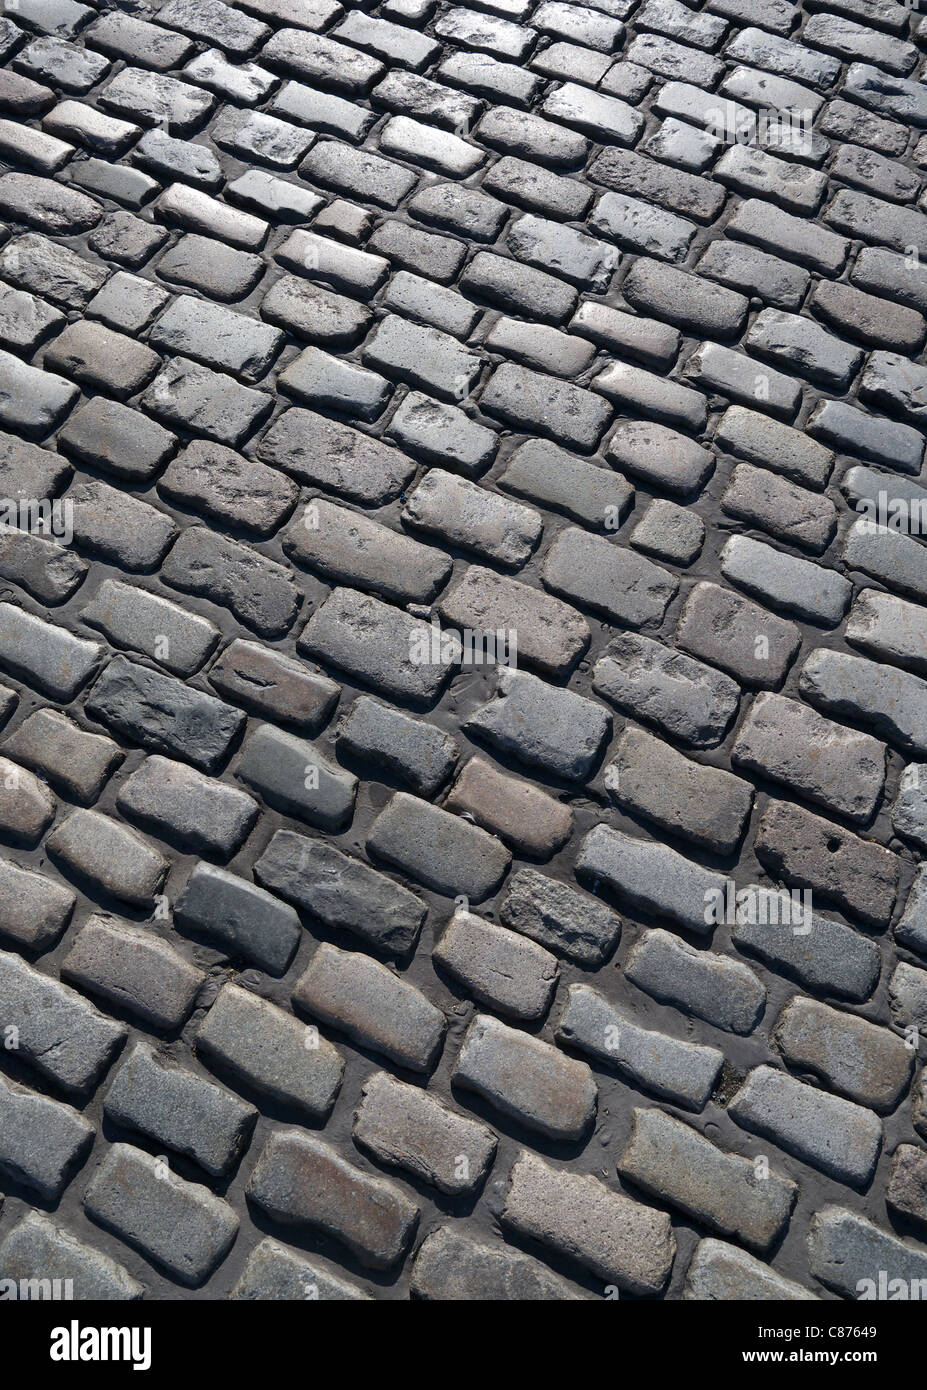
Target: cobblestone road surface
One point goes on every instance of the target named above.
(338, 963)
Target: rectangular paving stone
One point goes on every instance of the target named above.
(329, 454)
(584, 491)
(190, 396)
(178, 1225)
(100, 849)
(500, 968)
(348, 546)
(35, 908)
(44, 655)
(59, 1033)
(217, 336)
(441, 434)
(405, 1127)
(724, 992)
(790, 584)
(703, 804)
(888, 555)
(752, 644)
(889, 628)
(163, 713)
(889, 701)
(277, 686)
(238, 918)
(854, 431)
(806, 851)
(445, 852)
(522, 815)
(177, 1108)
(450, 1267)
(662, 686)
(855, 1058)
(619, 1240)
(572, 923)
(32, 402)
(835, 1135)
(554, 1094)
(682, 1072)
(43, 1141)
(229, 488)
(829, 764)
(721, 1272)
(260, 592)
(599, 575)
(672, 1162)
(847, 1253)
(322, 61)
(341, 891)
(266, 1050)
(551, 635)
(377, 1009)
(418, 753)
(133, 618)
(638, 226)
(302, 1181)
(172, 801)
(339, 633)
(132, 968)
(294, 777)
(38, 1250)
(649, 876)
(755, 437)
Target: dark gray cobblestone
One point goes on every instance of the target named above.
(483, 582)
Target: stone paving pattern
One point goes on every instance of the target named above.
(329, 972)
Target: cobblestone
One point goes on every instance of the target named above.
(460, 503)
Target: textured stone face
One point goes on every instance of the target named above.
(463, 649)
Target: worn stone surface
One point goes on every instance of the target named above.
(462, 542)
